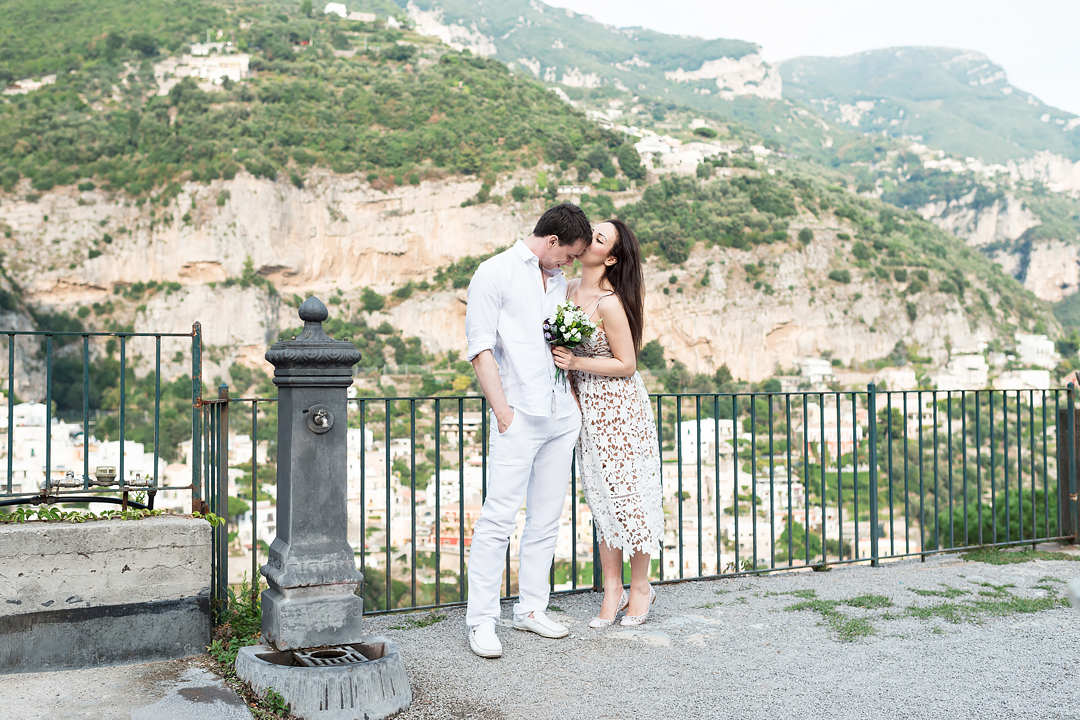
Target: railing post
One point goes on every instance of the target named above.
(196, 403)
(255, 502)
(1069, 522)
(871, 408)
(222, 531)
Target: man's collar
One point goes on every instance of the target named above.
(526, 254)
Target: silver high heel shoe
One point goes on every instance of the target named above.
(631, 620)
(599, 622)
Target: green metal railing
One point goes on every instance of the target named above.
(753, 482)
(51, 346)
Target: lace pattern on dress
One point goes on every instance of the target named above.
(617, 455)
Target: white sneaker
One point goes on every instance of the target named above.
(483, 641)
(539, 623)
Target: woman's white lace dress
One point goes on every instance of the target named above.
(617, 457)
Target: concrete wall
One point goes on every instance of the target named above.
(77, 595)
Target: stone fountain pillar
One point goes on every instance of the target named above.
(311, 570)
(316, 655)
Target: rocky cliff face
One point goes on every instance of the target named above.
(1049, 268)
(746, 76)
(338, 233)
(1059, 173)
(335, 232)
(1002, 221)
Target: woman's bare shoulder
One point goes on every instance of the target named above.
(610, 305)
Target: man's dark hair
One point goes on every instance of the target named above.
(566, 221)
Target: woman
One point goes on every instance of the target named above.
(617, 454)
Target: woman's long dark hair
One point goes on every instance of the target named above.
(626, 279)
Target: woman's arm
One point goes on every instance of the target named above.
(621, 342)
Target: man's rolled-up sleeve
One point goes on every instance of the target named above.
(481, 313)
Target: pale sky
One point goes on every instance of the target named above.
(1036, 41)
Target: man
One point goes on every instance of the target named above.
(536, 421)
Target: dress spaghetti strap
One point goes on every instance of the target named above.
(596, 304)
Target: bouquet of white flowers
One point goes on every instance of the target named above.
(568, 327)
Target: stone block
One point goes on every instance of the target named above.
(111, 591)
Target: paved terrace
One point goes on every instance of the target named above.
(947, 638)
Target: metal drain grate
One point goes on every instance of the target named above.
(330, 656)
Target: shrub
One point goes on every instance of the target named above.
(705, 132)
(372, 300)
(675, 249)
(860, 251)
(652, 356)
(806, 235)
(8, 178)
(900, 274)
(630, 161)
(840, 276)
(912, 311)
(144, 43)
(399, 53)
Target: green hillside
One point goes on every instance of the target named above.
(524, 29)
(955, 100)
(393, 105)
(631, 63)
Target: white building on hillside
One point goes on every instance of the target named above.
(711, 430)
(1024, 380)
(1036, 351)
(338, 9)
(817, 371)
(964, 372)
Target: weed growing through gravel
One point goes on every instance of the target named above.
(995, 591)
(1050, 579)
(955, 613)
(804, 594)
(945, 592)
(412, 623)
(992, 601)
(847, 629)
(994, 556)
(869, 602)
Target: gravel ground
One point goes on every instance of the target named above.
(732, 648)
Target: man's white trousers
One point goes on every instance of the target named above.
(528, 463)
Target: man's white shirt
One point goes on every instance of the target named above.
(506, 310)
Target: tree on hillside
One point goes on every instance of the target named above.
(652, 356)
